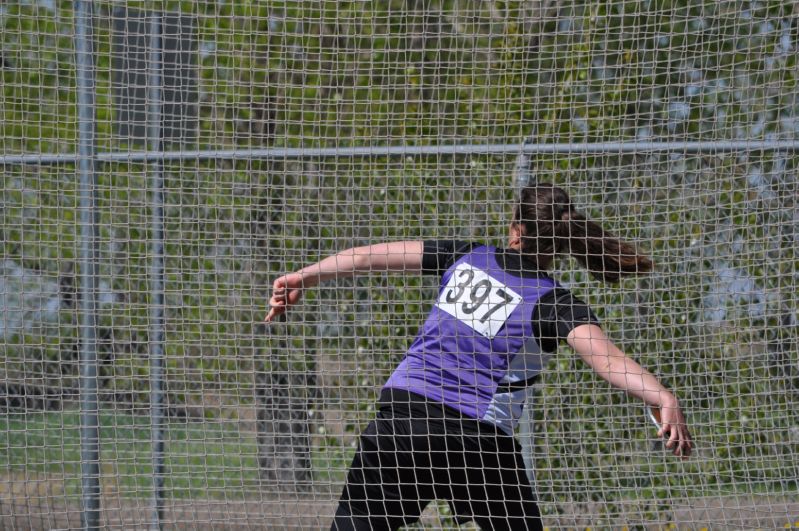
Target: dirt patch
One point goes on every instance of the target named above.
(123, 514)
(739, 512)
(36, 503)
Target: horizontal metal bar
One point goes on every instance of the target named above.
(582, 148)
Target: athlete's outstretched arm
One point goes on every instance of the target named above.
(609, 362)
(394, 256)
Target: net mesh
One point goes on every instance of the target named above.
(261, 422)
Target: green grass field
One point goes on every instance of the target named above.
(208, 459)
(205, 459)
(217, 460)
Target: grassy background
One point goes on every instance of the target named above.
(717, 321)
(201, 459)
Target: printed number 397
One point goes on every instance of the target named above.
(477, 296)
(478, 300)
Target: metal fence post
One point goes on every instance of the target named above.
(157, 333)
(87, 152)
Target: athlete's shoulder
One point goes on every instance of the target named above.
(557, 313)
(440, 255)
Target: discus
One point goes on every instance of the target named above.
(653, 413)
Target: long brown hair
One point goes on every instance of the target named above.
(551, 226)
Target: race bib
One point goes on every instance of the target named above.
(478, 300)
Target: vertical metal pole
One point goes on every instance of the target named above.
(157, 331)
(522, 171)
(89, 224)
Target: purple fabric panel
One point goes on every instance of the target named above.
(450, 362)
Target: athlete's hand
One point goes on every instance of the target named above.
(672, 424)
(286, 291)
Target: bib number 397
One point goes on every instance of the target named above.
(478, 300)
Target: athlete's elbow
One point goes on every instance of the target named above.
(599, 363)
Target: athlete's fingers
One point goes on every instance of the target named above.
(686, 444)
(292, 280)
(279, 290)
(278, 307)
(681, 450)
(685, 450)
(674, 438)
(279, 285)
(285, 292)
(274, 312)
(679, 441)
(279, 295)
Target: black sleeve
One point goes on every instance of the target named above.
(439, 255)
(558, 313)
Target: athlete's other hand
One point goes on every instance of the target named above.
(286, 291)
(672, 424)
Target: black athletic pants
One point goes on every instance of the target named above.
(403, 463)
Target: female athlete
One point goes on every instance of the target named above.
(447, 414)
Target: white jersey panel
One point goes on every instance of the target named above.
(505, 409)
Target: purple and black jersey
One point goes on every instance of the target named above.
(483, 338)
(447, 414)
